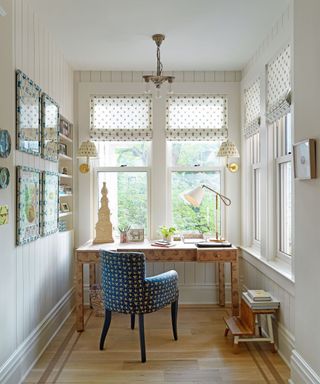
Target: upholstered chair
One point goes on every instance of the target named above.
(127, 290)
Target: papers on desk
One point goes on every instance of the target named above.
(163, 243)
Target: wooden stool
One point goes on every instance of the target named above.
(243, 327)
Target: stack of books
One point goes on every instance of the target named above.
(163, 243)
(260, 299)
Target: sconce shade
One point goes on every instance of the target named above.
(194, 196)
(228, 149)
(87, 149)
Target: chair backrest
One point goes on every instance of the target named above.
(122, 279)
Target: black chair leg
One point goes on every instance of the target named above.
(142, 340)
(174, 316)
(106, 325)
(133, 317)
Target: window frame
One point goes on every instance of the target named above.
(278, 162)
(280, 156)
(117, 169)
(255, 165)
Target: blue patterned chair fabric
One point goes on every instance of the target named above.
(128, 290)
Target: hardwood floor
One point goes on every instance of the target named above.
(201, 355)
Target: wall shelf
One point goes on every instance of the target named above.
(66, 174)
(63, 214)
(62, 175)
(65, 157)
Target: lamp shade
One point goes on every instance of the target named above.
(194, 196)
(87, 149)
(228, 149)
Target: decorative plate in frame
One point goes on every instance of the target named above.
(28, 114)
(49, 128)
(28, 205)
(5, 143)
(50, 203)
(4, 178)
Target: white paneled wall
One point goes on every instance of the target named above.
(198, 282)
(37, 281)
(41, 280)
(256, 272)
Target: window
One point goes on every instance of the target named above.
(121, 128)
(190, 121)
(191, 219)
(127, 195)
(256, 187)
(282, 146)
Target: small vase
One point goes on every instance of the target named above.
(123, 237)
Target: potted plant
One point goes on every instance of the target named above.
(167, 232)
(123, 229)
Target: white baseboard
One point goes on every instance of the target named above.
(15, 369)
(301, 372)
(285, 343)
(190, 294)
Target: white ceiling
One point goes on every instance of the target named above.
(200, 34)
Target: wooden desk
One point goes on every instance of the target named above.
(89, 254)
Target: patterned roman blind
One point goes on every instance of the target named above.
(279, 86)
(252, 109)
(121, 118)
(196, 118)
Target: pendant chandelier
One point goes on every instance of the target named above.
(158, 79)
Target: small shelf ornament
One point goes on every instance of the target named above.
(103, 226)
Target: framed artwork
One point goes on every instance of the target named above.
(136, 235)
(28, 205)
(4, 178)
(49, 128)
(50, 203)
(64, 207)
(63, 149)
(5, 143)
(27, 114)
(4, 214)
(304, 159)
(65, 127)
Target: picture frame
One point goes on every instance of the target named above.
(65, 127)
(304, 159)
(5, 143)
(136, 235)
(63, 149)
(49, 128)
(50, 203)
(28, 115)
(28, 205)
(64, 207)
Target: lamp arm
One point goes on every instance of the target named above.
(225, 199)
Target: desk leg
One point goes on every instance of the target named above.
(79, 297)
(221, 285)
(234, 288)
(93, 279)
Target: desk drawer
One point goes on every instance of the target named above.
(223, 255)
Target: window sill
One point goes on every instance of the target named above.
(277, 270)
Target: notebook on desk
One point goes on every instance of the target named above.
(212, 244)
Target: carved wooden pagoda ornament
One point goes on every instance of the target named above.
(103, 226)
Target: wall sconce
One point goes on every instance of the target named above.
(229, 149)
(87, 149)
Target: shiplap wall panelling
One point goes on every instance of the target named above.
(44, 271)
